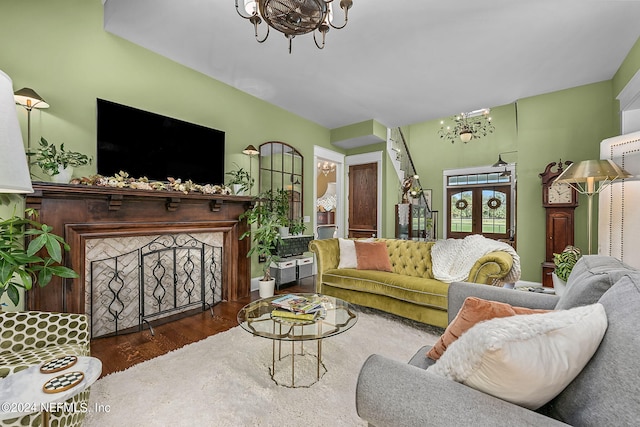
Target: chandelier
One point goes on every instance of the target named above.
(468, 126)
(326, 168)
(293, 17)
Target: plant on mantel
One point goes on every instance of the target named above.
(241, 178)
(52, 159)
(21, 267)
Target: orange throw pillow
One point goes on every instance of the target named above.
(474, 310)
(372, 256)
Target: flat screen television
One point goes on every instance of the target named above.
(142, 143)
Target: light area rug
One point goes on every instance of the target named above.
(224, 380)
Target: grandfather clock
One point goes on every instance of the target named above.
(560, 201)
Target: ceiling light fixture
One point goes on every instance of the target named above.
(468, 126)
(326, 168)
(293, 17)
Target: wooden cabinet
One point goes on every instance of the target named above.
(415, 222)
(559, 230)
(326, 218)
(559, 234)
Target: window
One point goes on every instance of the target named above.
(480, 202)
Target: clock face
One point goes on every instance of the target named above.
(560, 194)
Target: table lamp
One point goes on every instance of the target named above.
(14, 170)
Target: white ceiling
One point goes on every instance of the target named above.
(397, 61)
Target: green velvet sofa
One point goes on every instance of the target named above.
(410, 290)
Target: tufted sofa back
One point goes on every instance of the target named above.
(409, 257)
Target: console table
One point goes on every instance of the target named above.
(80, 212)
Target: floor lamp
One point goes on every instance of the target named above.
(29, 99)
(582, 176)
(250, 151)
(14, 171)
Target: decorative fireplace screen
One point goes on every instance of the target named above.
(170, 274)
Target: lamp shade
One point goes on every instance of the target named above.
(29, 99)
(250, 151)
(590, 172)
(14, 171)
(466, 136)
(500, 162)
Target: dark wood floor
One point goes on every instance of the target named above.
(123, 351)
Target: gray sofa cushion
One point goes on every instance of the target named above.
(420, 359)
(591, 277)
(607, 391)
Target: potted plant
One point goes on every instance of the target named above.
(58, 162)
(564, 261)
(265, 236)
(280, 208)
(20, 267)
(297, 227)
(240, 181)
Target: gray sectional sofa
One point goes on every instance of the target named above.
(605, 393)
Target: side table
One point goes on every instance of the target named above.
(21, 393)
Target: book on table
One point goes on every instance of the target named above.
(298, 304)
(286, 314)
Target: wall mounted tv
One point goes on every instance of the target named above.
(142, 143)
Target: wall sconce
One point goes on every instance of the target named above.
(501, 163)
(14, 170)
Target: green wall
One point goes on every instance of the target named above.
(64, 54)
(61, 50)
(567, 125)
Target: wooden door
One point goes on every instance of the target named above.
(363, 200)
(559, 230)
(480, 209)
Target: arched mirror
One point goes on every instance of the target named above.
(281, 168)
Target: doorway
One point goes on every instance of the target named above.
(364, 195)
(328, 191)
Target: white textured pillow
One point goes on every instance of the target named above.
(348, 257)
(525, 359)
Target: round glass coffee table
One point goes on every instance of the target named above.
(336, 316)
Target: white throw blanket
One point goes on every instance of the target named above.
(453, 258)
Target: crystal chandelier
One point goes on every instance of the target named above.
(468, 126)
(293, 17)
(326, 168)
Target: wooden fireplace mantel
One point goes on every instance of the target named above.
(80, 212)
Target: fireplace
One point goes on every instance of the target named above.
(132, 281)
(193, 237)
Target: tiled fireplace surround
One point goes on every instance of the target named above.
(97, 222)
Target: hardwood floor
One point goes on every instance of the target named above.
(123, 351)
